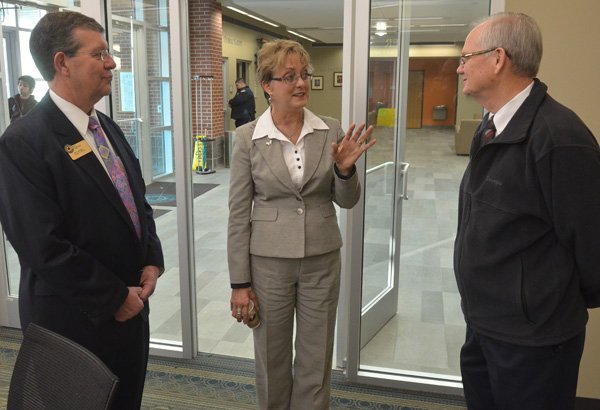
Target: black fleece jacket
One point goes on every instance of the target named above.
(527, 250)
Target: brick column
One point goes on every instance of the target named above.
(206, 59)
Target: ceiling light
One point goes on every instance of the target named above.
(441, 25)
(252, 16)
(381, 27)
(300, 35)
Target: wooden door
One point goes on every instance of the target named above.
(414, 113)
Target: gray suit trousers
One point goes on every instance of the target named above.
(309, 288)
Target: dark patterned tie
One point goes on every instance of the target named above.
(117, 173)
(489, 132)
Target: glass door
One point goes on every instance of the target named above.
(405, 324)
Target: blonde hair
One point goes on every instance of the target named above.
(272, 56)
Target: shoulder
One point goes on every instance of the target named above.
(331, 122)
(557, 126)
(246, 131)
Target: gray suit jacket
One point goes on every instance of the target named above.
(268, 215)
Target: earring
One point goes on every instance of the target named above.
(269, 98)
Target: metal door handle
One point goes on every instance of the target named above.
(403, 174)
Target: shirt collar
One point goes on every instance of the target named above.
(266, 128)
(508, 110)
(78, 118)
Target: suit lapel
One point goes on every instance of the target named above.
(66, 134)
(271, 151)
(314, 145)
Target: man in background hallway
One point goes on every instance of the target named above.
(21, 103)
(72, 205)
(242, 104)
(526, 254)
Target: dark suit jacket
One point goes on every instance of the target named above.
(76, 243)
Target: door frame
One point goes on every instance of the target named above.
(356, 53)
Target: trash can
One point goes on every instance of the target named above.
(440, 112)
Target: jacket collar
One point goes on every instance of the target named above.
(517, 128)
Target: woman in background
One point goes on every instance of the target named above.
(288, 168)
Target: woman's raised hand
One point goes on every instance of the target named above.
(351, 147)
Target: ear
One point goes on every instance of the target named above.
(61, 64)
(502, 60)
(266, 86)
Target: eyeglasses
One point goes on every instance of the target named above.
(465, 57)
(99, 55)
(293, 78)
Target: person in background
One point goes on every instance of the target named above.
(242, 104)
(288, 169)
(72, 206)
(20, 104)
(526, 253)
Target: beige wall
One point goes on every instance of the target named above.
(571, 69)
(328, 101)
(241, 44)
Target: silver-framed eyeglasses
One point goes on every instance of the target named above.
(293, 78)
(465, 57)
(98, 55)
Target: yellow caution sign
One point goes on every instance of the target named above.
(199, 154)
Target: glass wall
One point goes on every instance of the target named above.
(142, 106)
(17, 22)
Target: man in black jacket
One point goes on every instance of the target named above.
(242, 105)
(526, 255)
(21, 103)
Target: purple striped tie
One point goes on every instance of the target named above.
(117, 173)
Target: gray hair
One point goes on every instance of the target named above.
(53, 34)
(519, 35)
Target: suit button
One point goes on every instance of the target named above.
(299, 211)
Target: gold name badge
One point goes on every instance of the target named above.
(78, 150)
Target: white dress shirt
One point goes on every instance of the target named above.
(293, 154)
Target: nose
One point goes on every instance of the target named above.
(460, 69)
(109, 62)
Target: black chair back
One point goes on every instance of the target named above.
(54, 373)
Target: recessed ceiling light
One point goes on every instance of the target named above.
(252, 16)
(301, 35)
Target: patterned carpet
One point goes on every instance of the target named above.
(227, 383)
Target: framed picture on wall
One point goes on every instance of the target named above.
(317, 82)
(337, 79)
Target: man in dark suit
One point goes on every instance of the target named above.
(526, 254)
(72, 205)
(243, 106)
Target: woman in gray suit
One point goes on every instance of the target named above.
(288, 168)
